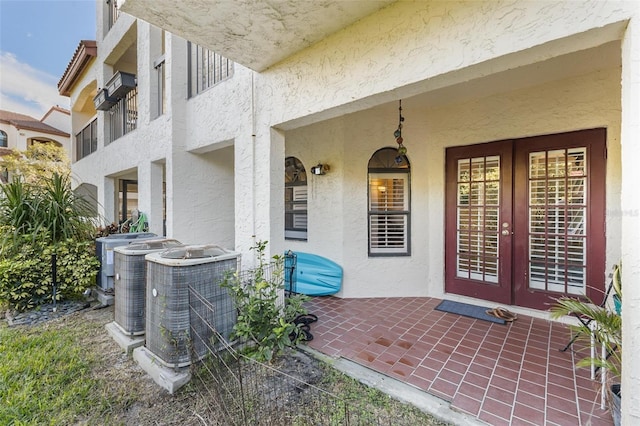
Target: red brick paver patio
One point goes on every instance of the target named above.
(509, 374)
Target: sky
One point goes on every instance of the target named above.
(37, 41)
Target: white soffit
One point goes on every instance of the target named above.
(253, 33)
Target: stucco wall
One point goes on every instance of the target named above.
(12, 135)
(416, 47)
(337, 203)
(59, 120)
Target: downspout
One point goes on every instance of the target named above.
(253, 150)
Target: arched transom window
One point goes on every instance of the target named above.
(295, 199)
(389, 203)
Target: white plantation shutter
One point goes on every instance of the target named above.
(295, 200)
(388, 213)
(299, 207)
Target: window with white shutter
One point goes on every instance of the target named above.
(295, 199)
(389, 203)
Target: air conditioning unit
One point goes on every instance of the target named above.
(104, 252)
(185, 302)
(130, 282)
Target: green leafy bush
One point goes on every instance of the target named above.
(26, 279)
(264, 321)
(38, 219)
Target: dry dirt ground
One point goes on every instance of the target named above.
(140, 401)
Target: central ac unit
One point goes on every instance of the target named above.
(104, 252)
(186, 305)
(130, 282)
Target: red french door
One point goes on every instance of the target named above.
(525, 219)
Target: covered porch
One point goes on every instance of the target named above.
(512, 374)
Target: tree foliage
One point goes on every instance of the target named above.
(38, 162)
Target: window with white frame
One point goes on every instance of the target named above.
(389, 203)
(295, 200)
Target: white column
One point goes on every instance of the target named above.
(259, 187)
(630, 141)
(150, 195)
(106, 200)
(143, 73)
(276, 193)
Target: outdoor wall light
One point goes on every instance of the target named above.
(320, 169)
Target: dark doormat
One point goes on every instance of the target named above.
(467, 310)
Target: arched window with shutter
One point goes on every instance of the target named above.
(295, 199)
(389, 203)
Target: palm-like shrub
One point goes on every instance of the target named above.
(38, 219)
(48, 209)
(605, 326)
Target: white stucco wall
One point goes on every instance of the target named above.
(337, 205)
(18, 138)
(630, 216)
(59, 120)
(12, 135)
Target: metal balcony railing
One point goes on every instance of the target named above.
(123, 116)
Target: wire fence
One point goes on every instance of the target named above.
(238, 390)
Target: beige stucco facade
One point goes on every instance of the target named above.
(21, 130)
(467, 73)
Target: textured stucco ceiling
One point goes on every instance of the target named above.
(254, 33)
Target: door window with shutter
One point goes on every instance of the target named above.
(389, 203)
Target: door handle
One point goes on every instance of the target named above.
(505, 232)
(505, 228)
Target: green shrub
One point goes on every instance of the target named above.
(49, 209)
(263, 321)
(26, 280)
(37, 219)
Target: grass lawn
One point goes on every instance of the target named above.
(69, 371)
(46, 375)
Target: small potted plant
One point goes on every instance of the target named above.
(604, 323)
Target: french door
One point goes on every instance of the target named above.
(525, 219)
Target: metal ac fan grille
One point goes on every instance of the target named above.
(168, 313)
(130, 292)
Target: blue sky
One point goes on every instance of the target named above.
(37, 41)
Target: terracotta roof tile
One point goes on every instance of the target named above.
(86, 50)
(22, 121)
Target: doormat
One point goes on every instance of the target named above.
(471, 311)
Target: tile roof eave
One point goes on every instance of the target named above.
(86, 50)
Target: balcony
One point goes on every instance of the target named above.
(123, 116)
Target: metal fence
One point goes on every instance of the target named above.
(238, 390)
